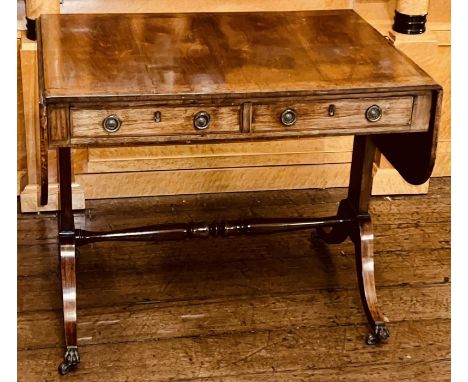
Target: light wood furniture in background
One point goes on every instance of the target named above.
(305, 163)
(430, 50)
(21, 160)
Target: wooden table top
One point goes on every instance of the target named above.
(150, 56)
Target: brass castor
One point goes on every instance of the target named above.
(70, 360)
(380, 334)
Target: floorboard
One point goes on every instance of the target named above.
(282, 307)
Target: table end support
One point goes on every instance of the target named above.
(68, 254)
(355, 210)
(362, 236)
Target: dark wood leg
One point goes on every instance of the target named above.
(360, 187)
(356, 209)
(363, 238)
(67, 262)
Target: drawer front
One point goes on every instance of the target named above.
(333, 114)
(153, 121)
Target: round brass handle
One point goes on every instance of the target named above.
(201, 121)
(111, 123)
(288, 117)
(374, 113)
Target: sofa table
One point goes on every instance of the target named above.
(158, 79)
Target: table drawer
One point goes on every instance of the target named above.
(332, 114)
(153, 121)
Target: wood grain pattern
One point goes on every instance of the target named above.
(226, 278)
(140, 121)
(421, 112)
(413, 155)
(435, 60)
(292, 146)
(412, 7)
(387, 181)
(223, 161)
(21, 159)
(249, 353)
(170, 182)
(246, 117)
(34, 8)
(377, 12)
(227, 78)
(303, 151)
(350, 113)
(331, 74)
(229, 55)
(29, 202)
(29, 75)
(175, 121)
(170, 6)
(59, 118)
(398, 114)
(430, 50)
(100, 325)
(444, 159)
(104, 6)
(275, 150)
(262, 290)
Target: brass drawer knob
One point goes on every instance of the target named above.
(374, 113)
(201, 121)
(111, 123)
(288, 117)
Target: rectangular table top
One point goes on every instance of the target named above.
(150, 56)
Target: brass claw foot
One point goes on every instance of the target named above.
(380, 334)
(71, 360)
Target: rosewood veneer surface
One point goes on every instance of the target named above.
(231, 54)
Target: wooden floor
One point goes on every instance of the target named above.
(283, 307)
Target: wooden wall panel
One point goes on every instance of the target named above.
(29, 87)
(245, 154)
(278, 160)
(147, 183)
(21, 160)
(152, 6)
(30, 110)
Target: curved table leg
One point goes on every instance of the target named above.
(363, 238)
(356, 207)
(68, 271)
(67, 262)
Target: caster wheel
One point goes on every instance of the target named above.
(381, 334)
(371, 339)
(65, 368)
(70, 360)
